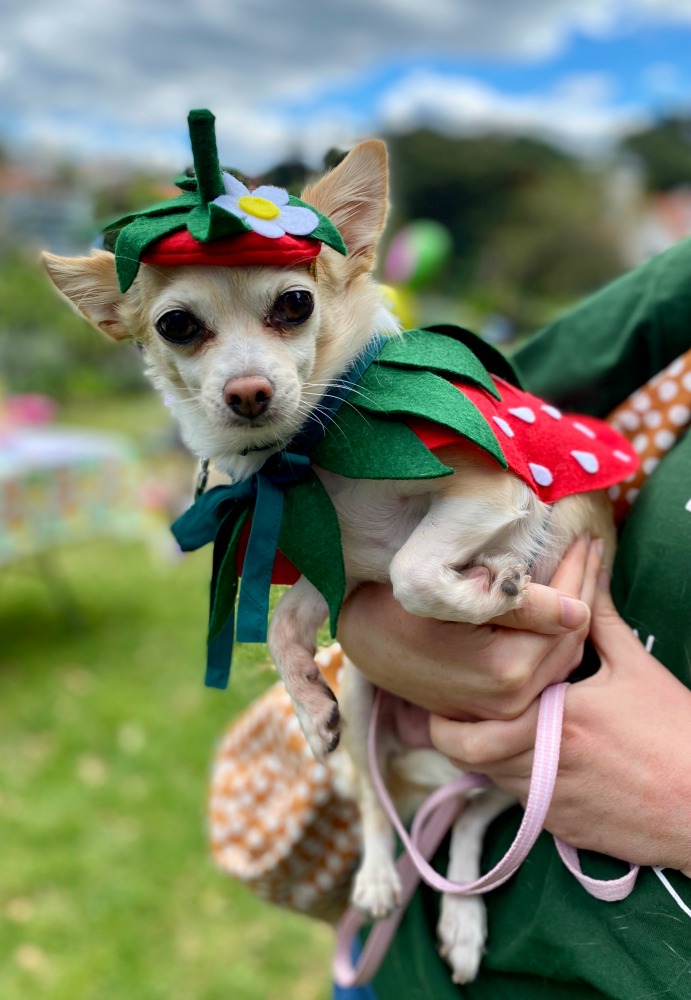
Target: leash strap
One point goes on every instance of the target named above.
(434, 819)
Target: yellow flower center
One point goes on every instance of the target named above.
(260, 208)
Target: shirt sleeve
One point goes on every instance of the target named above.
(591, 358)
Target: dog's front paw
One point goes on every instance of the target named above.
(377, 891)
(462, 930)
(321, 726)
(492, 586)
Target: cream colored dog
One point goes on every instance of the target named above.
(244, 354)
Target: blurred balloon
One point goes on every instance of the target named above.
(417, 254)
(402, 305)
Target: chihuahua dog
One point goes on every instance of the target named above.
(260, 347)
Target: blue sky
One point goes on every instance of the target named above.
(113, 80)
(650, 67)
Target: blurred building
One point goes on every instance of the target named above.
(38, 208)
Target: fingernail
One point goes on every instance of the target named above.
(599, 547)
(573, 613)
(603, 579)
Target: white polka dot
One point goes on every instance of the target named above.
(679, 414)
(500, 422)
(677, 367)
(664, 439)
(652, 419)
(628, 420)
(586, 460)
(551, 411)
(541, 475)
(622, 456)
(641, 402)
(649, 464)
(686, 380)
(631, 495)
(255, 838)
(667, 390)
(523, 413)
(614, 492)
(324, 880)
(584, 430)
(688, 505)
(640, 442)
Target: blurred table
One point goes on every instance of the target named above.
(60, 485)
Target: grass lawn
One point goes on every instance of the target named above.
(106, 734)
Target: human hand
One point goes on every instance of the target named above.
(492, 671)
(623, 786)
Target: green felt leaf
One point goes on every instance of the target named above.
(436, 352)
(188, 200)
(493, 360)
(136, 237)
(423, 394)
(325, 231)
(225, 582)
(186, 183)
(364, 446)
(311, 538)
(210, 222)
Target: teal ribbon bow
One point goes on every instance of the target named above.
(220, 515)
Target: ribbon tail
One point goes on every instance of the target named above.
(255, 589)
(224, 587)
(219, 653)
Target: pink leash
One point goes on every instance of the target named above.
(434, 819)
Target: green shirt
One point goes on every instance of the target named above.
(547, 937)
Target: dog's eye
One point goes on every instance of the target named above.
(179, 327)
(292, 308)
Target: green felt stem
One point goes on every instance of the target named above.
(206, 165)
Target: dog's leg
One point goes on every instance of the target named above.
(462, 927)
(292, 643)
(376, 887)
(467, 559)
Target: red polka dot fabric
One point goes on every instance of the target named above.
(554, 453)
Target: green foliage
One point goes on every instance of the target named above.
(46, 347)
(665, 151)
(466, 184)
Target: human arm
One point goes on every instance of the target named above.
(475, 671)
(623, 786)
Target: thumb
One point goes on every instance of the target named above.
(608, 630)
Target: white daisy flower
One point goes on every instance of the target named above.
(266, 209)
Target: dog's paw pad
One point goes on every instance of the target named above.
(377, 893)
(462, 933)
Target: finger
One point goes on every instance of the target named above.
(592, 572)
(475, 745)
(569, 574)
(546, 611)
(609, 632)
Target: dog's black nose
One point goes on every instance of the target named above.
(248, 396)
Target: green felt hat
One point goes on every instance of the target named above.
(217, 220)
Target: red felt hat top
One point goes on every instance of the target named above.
(239, 250)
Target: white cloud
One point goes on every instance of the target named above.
(121, 73)
(576, 113)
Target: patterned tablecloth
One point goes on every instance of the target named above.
(60, 485)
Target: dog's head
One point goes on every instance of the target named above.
(243, 354)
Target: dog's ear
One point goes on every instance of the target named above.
(354, 196)
(91, 286)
